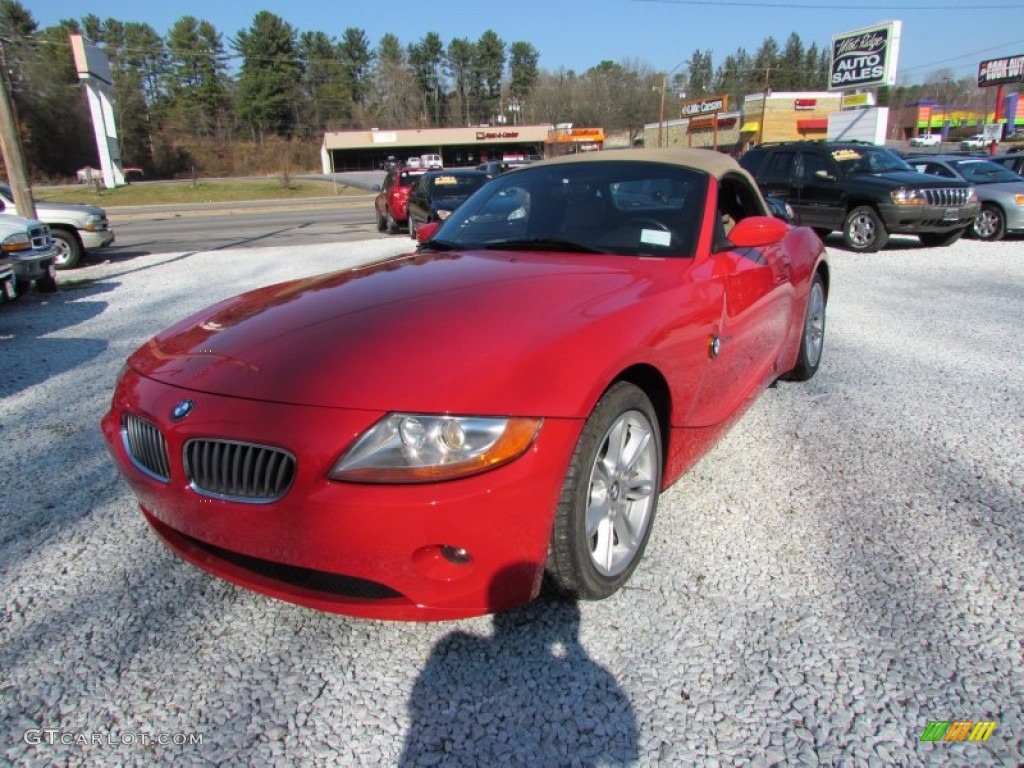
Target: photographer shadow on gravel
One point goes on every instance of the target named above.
(526, 695)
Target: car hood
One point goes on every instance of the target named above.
(907, 178)
(473, 332)
(11, 225)
(69, 209)
(1001, 188)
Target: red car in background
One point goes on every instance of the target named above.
(392, 198)
(429, 437)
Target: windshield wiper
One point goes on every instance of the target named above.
(438, 245)
(541, 244)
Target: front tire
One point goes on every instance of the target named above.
(606, 509)
(989, 224)
(69, 250)
(863, 231)
(812, 335)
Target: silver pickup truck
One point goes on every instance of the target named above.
(76, 229)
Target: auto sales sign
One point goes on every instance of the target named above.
(865, 58)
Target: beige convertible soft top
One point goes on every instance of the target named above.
(709, 161)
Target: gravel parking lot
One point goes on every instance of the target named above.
(843, 568)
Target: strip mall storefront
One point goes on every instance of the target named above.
(569, 141)
(370, 150)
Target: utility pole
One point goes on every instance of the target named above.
(764, 98)
(661, 114)
(10, 143)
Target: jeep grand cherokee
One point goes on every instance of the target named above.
(862, 190)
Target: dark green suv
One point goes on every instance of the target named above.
(865, 191)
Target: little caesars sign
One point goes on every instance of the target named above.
(865, 58)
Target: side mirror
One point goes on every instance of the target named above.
(426, 231)
(758, 231)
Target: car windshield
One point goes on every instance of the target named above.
(869, 159)
(984, 171)
(612, 207)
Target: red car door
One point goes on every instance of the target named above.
(757, 298)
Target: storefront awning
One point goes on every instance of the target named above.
(812, 124)
(752, 127)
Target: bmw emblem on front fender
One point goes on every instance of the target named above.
(182, 409)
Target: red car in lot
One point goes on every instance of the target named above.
(429, 437)
(391, 203)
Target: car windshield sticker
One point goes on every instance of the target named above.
(655, 237)
(445, 181)
(846, 154)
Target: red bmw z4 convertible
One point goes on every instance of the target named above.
(436, 435)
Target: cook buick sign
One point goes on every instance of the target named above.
(1001, 71)
(865, 58)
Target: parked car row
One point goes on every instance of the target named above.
(31, 251)
(864, 191)
(76, 229)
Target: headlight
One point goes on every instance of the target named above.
(420, 448)
(17, 243)
(93, 223)
(905, 196)
(1018, 199)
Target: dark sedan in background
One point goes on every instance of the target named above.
(437, 193)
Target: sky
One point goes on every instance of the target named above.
(951, 35)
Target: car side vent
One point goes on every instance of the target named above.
(236, 471)
(146, 447)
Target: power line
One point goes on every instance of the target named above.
(819, 7)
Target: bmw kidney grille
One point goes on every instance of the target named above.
(237, 471)
(146, 447)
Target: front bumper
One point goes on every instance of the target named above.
(7, 289)
(98, 239)
(914, 219)
(1014, 218)
(33, 265)
(364, 550)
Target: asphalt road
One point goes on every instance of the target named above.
(148, 230)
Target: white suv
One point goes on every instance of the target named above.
(926, 140)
